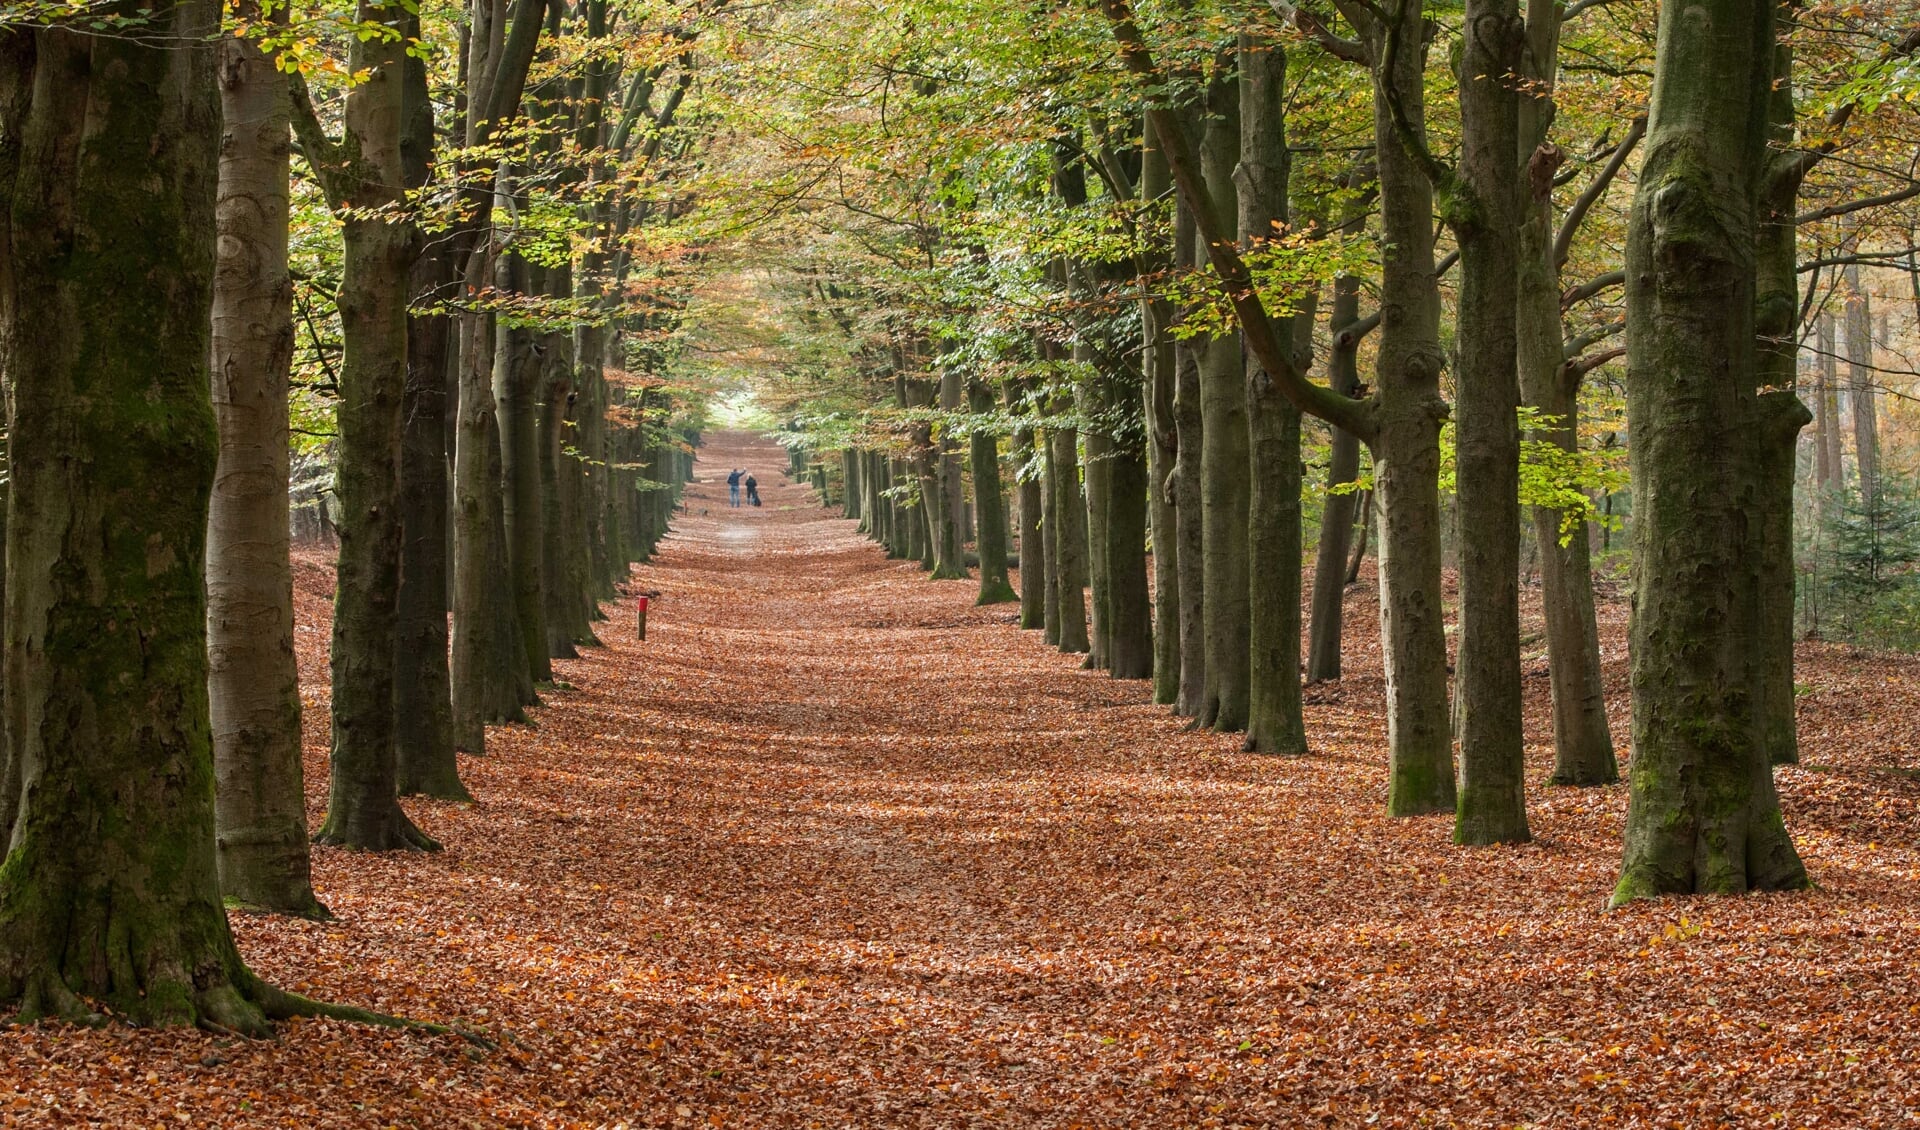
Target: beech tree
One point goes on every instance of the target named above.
(364, 177)
(252, 682)
(109, 163)
(1704, 814)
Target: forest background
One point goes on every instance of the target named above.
(1147, 304)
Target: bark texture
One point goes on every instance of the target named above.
(1157, 361)
(1274, 720)
(1224, 459)
(989, 503)
(363, 175)
(1484, 209)
(1327, 604)
(1703, 816)
(253, 685)
(109, 149)
(422, 690)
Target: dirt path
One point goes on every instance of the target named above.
(833, 847)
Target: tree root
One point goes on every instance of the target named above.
(400, 834)
(279, 1004)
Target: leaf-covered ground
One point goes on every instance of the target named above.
(834, 847)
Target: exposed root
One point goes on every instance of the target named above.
(399, 834)
(46, 997)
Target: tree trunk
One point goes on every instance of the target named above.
(990, 503)
(253, 685)
(1485, 214)
(1224, 460)
(1703, 815)
(938, 483)
(422, 686)
(516, 377)
(363, 810)
(1033, 542)
(491, 680)
(1184, 488)
(1090, 395)
(1157, 394)
(565, 594)
(1406, 443)
(1274, 720)
(1831, 442)
(1049, 533)
(109, 148)
(1069, 539)
(1337, 514)
(1780, 415)
(1582, 742)
(1866, 424)
(1826, 447)
(853, 491)
(1362, 530)
(1130, 629)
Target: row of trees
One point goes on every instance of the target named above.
(489, 176)
(1121, 242)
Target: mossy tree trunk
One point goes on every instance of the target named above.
(1780, 415)
(1406, 438)
(1067, 541)
(1183, 488)
(1225, 459)
(253, 685)
(109, 149)
(1484, 211)
(1582, 741)
(1033, 545)
(1326, 618)
(1275, 723)
(364, 178)
(1161, 441)
(989, 501)
(1703, 815)
(422, 682)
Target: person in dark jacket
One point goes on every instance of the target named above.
(733, 488)
(753, 490)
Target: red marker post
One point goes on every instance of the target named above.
(640, 607)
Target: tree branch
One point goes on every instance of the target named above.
(1257, 329)
(322, 152)
(1415, 141)
(1831, 210)
(1592, 287)
(1316, 29)
(1577, 215)
(1350, 335)
(1574, 346)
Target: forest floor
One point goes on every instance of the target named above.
(833, 847)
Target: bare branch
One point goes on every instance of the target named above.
(1576, 215)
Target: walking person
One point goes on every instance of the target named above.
(753, 490)
(733, 488)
